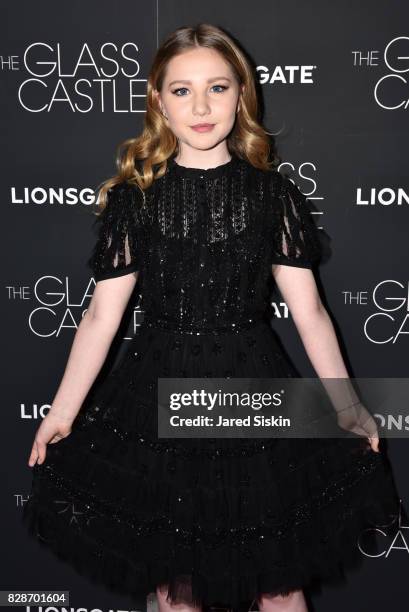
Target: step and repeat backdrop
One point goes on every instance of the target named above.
(334, 85)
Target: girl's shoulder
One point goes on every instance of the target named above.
(123, 189)
(124, 197)
(273, 181)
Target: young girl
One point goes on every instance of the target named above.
(199, 217)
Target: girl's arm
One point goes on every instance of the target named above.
(299, 290)
(91, 343)
(115, 267)
(313, 323)
(114, 263)
(88, 352)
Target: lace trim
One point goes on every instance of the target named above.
(273, 527)
(193, 328)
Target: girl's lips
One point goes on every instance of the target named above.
(202, 128)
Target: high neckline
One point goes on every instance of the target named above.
(217, 171)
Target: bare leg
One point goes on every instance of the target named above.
(166, 606)
(293, 602)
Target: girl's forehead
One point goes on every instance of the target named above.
(188, 73)
(199, 60)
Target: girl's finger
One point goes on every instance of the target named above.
(374, 442)
(33, 455)
(41, 453)
(31, 459)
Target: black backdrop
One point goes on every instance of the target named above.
(334, 80)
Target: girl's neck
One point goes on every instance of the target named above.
(202, 162)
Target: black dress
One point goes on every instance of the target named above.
(220, 520)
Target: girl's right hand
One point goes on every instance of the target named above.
(53, 429)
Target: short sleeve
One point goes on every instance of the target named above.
(295, 237)
(115, 252)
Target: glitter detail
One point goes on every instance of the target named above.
(204, 243)
(133, 510)
(276, 525)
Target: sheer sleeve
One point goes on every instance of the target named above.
(296, 240)
(115, 252)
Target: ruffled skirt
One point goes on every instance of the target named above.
(219, 521)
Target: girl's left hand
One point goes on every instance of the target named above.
(374, 442)
(358, 420)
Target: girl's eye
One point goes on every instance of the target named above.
(223, 87)
(178, 89)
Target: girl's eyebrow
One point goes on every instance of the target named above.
(208, 80)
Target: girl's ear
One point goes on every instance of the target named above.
(241, 93)
(157, 97)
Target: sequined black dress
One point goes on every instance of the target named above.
(226, 519)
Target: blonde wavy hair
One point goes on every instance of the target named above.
(136, 157)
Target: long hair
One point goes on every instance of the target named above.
(137, 157)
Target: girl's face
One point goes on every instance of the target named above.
(199, 88)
